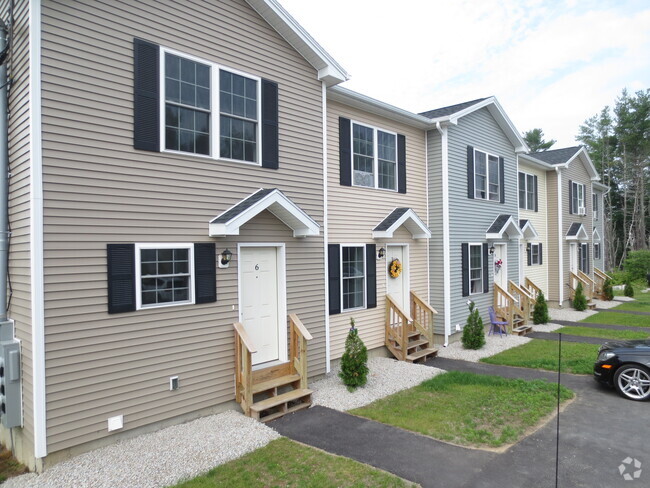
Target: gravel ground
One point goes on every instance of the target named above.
(623, 299)
(387, 376)
(546, 327)
(607, 304)
(159, 459)
(569, 314)
(494, 344)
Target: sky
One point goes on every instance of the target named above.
(551, 64)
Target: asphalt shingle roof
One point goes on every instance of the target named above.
(498, 224)
(391, 219)
(556, 156)
(451, 109)
(241, 206)
(574, 229)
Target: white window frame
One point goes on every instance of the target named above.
(597, 254)
(532, 255)
(578, 194)
(375, 156)
(365, 277)
(595, 205)
(584, 257)
(138, 273)
(487, 177)
(469, 267)
(215, 111)
(527, 190)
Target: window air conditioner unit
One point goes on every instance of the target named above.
(582, 211)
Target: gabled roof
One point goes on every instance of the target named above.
(577, 232)
(595, 235)
(271, 199)
(565, 156)
(504, 224)
(277, 17)
(398, 217)
(452, 113)
(527, 229)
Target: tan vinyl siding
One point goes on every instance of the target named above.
(19, 214)
(99, 190)
(538, 274)
(599, 224)
(354, 211)
(553, 254)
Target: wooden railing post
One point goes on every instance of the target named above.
(299, 337)
(244, 350)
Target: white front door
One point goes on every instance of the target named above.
(573, 257)
(259, 300)
(501, 273)
(398, 287)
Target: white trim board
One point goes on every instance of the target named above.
(411, 221)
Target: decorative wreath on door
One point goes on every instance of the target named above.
(395, 268)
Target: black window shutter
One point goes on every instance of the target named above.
(541, 254)
(465, 266)
(205, 272)
(536, 197)
(587, 260)
(345, 152)
(486, 281)
(470, 173)
(580, 258)
(529, 252)
(502, 181)
(401, 163)
(121, 277)
(270, 157)
(570, 196)
(371, 276)
(146, 96)
(334, 277)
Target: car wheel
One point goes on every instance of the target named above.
(633, 382)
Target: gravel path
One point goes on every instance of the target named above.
(569, 314)
(159, 459)
(494, 344)
(387, 376)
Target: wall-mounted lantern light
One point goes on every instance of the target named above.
(381, 253)
(224, 258)
(491, 250)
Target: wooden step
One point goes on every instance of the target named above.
(522, 330)
(275, 383)
(413, 344)
(422, 354)
(591, 305)
(275, 401)
(277, 415)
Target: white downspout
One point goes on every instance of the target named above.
(559, 237)
(326, 233)
(446, 266)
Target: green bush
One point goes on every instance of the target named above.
(628, 291)
(608, 290)
(637, 264)
(473, 332)
(540, 312)
(579, 299)
(618, 277)
(354, 363)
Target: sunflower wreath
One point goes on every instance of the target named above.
(395, 268)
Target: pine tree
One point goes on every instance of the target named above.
(608, 290)
(473, 332)
(579, 299)
(535, 140)
(540, 312)
(354, 363)
(628, 291)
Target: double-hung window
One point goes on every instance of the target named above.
(475, 268)
(353, 273)
(527, 191)
(535, 257)
(596, 250)
(164, 274)
(595, 205)
(210, 110)
(584, 257)
(486, 176)
(578, 198)
(374, 157)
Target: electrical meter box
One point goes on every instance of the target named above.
(11, 408)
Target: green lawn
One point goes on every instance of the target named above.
(641, 303)
(284, 463)
(468, 409)
(603, 333)
(614, 318)
(577, 358)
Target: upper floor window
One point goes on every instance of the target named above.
(197, 121)
(578, 198)
(486, 176)
(595, 206)
(527, 191)
(374, 157)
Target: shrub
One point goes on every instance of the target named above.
(608, 290)
(579, 299)
(473, 332)
(540, 312)
(628, 291)
(637, 264)
(354, 363)
(618, 277)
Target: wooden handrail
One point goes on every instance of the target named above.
(574, 275)
(586, 277)
(601, 274)
(244, 350)
(518, 289)
(397, 306)
(397, 326)
(537, 290)
(422, 303)
(239, 328)
(301, 328)
(422, 314)
(504, 292)
(299, 335)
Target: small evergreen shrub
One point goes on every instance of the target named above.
(637, 264)
(628, 291)
(579, 299)
(608, 290)
(354, 363)
(540, 312)
(473, 332)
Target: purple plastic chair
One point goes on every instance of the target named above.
(496, 325)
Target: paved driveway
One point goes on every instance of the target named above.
(597, 432)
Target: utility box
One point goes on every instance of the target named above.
(11, 408)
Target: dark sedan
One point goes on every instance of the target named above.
(625, 365)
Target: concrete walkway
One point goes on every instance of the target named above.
(597, 432)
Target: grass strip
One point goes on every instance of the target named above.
(603, 333)
(468, 409)
(9, 466)
(613, 318)
(577, 358)
(284, 463)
